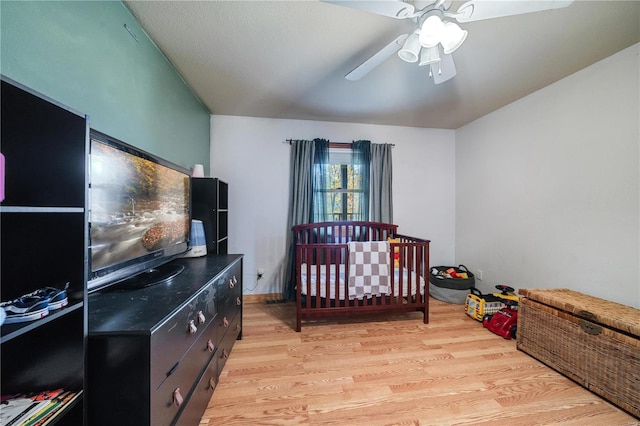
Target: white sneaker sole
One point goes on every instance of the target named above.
(29, 316)
(58, 304)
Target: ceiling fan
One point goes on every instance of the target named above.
(436, 36)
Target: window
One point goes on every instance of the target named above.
(341, 197)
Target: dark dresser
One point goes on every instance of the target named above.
(155, 353)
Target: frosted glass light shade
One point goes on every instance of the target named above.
(198, 171)
(429, 55)
(430, 32)
(411, 49)
(452, 37)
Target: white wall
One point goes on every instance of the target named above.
(250, 154)
(548, 188)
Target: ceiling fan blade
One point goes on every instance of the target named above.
(382, 55)
(443, 70)
(392, 9)
(476, 10)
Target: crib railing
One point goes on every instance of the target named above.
(342, 232)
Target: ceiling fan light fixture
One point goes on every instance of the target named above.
(429, 55)
(431, 31)
(452, 37)
(411, 48)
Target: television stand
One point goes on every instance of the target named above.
(155, 353)
(156, 275)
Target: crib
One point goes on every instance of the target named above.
(324, 273)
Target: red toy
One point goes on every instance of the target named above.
(504, 322)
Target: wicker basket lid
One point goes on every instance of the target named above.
(611, 314)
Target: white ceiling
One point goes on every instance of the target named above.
(287, 59)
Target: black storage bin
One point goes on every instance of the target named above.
(450, 290)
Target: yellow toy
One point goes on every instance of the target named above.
(478, 305)
(506, 292)
(396, 252)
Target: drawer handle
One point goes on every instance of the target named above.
(235, 280)
(238, 301)
(177, 397)
(225, 354)
(225, 322)
(238, 328)
(210, 346)
(201, 318)
(232, 284)
(192, 327)
(212, 383)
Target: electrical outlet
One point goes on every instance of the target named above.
(260, 273)
(479, 274)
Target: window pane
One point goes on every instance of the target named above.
(342, 194)
(335, 178)
(337, 206)
(354, 176)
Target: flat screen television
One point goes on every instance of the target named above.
(139, 215)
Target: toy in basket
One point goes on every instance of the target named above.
(478, 305)
(450, 283)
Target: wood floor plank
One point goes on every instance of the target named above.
(392, 370)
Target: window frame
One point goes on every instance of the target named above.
(340, 155)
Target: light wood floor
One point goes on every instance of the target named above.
(392, 371)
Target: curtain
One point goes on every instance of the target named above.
(300, 204)
(309, 170)
(305, 156)
(381, 180)
(361, 161)
(319, 210)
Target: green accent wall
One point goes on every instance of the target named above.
(80, 54)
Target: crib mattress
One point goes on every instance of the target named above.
(409, 281)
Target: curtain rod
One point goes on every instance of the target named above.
(331, 144)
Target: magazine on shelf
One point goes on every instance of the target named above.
(39, 409)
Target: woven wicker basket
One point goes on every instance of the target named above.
(590, 340)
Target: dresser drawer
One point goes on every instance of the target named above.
(167, 401)
(222, 333)
(231, 333)
(202, 392)
(173, 338)
(227, 314)
(229, 295)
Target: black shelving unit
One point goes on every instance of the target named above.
(210, 204)
(43, 228)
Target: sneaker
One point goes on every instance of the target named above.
(57, 298)
(25, 308)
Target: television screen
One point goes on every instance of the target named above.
(139, 211)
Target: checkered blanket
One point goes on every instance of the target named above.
(368, 269)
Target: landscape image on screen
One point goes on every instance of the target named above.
(139, 208)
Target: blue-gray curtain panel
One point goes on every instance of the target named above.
(381, 183)
(361, 156)
(305, 155)
(300, 204)
(319, 210)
